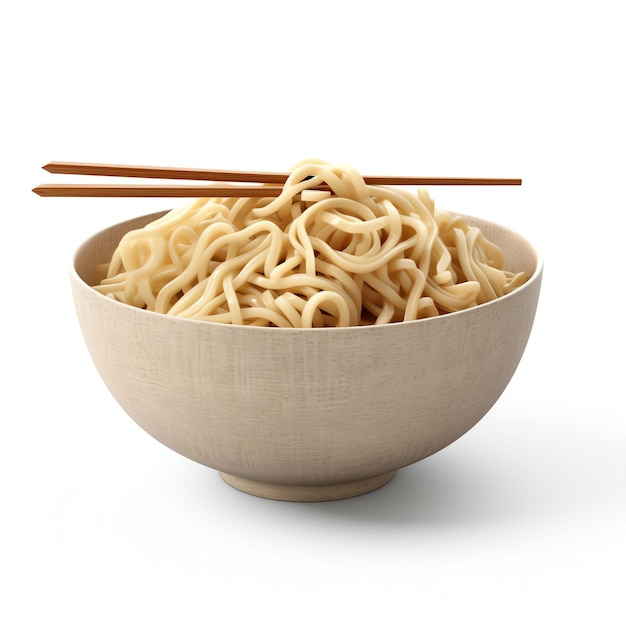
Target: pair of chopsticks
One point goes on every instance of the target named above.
(265, 184)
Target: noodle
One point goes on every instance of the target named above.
(358, 254)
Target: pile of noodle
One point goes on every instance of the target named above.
(357, 254)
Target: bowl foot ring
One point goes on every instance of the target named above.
(307, 493)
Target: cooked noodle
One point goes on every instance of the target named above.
(359, 254)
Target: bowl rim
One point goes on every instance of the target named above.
(533, 278)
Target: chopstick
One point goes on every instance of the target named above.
(147, 171)
(157, 191)
(267, 183)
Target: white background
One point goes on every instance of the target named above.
(521, 521)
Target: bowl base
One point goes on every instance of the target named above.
(307, 493)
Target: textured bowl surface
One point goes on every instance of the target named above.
(306, 414)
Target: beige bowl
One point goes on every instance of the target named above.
(306, 414)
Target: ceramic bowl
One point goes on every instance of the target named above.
(306, 414)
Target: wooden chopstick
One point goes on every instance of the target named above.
(157, 191)
(268, 183)
(147, 171)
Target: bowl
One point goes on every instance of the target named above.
(306, 414)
